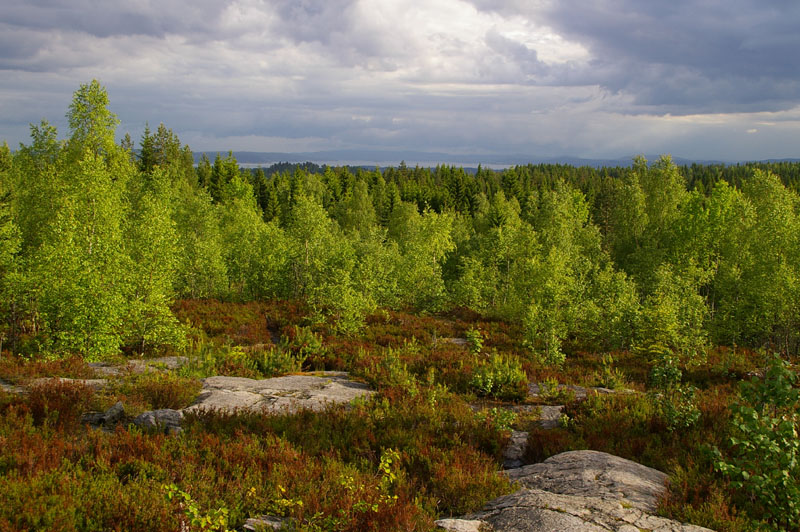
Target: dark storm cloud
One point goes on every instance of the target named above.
(680, 56)
(108, 18)
(596, 77)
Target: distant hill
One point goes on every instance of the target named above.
(372, 158)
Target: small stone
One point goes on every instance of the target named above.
(263, 523)
(107, 419)
(166, 420)
(114, 414)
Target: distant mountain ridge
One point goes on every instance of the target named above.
(426, 159)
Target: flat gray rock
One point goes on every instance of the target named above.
(264, 523)
(581, 392)
(462, 525)
(289, 393)
(96, 384)
(7, 387)
(106, 419)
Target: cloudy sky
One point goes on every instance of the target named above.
(708, 79)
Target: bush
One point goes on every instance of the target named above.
(271, 362)
(500, 377)
(764, 457)
(163, 390)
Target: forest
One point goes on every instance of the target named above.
(98, 239)
(107, 250)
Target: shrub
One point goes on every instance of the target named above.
(678, 407)
(158, 389)
(474, 340)
(500, 377)
(764, 457)
(59, 402)
(609, 376)
(271, 361)
(551, 391)
(500, 419)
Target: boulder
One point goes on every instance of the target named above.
(107, 419)
(515, 450)
(580, 491)
(287, 394)
(595, 474)
(164, 420)
(7, 387)
(549, 416)
(533, 510)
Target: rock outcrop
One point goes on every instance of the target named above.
(163, 420)
(595, 474)
(107, 419)
(577, 491)
(280, 394)
(139, 365)
(514, 452)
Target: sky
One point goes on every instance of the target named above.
(701, 79)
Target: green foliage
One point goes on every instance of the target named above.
(674, 314)
(272, 361)
(675, 402)
(474, 340)
(93, 125)
(763, 460)
(156, 389)
(665, 373)
(609, 376)
(551, 391)
(197, 520)
(678, 407)
(79, 269)
(501, 419)
(501, 377)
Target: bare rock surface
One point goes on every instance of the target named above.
(107, 419)
(164, 420)
(581, 491)
(264, 523)
(139, 365)
(462, 525)
(97, 384)
(289, 393)
(533, 510)
(550, 416)
(515, 450)
(581, 392)
(595, 474)
(7, 387)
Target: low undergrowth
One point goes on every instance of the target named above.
(413, 453)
